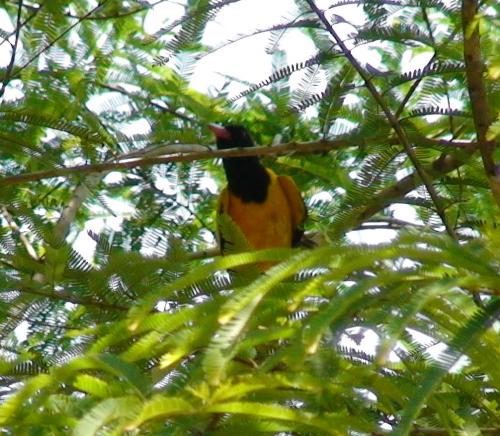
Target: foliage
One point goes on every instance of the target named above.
(153, 333)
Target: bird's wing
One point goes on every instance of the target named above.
(297, 206)
(222, 208)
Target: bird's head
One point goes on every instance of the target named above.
(231, 136)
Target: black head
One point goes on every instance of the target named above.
(246, 177)
(231, 136)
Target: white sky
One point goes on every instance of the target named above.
(247, 59)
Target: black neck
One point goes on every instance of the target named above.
(247, 178)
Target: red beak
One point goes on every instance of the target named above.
(220, 132)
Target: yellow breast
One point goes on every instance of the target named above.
(267, 224)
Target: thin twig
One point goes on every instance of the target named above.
(69, 298)
(190, 15)
(7, 76)
(60, 36)
(481, 113)
(412, 89)
(285, 26)
(204, 254)
(377, 223)
(118, 15)
(33, 15)
(417, 82)
(111, 17)
(393, 121)
(152, 103)
(447, 143)
(35, 322)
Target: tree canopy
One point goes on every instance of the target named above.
(148, 330)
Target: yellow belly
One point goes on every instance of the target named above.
(265, 225)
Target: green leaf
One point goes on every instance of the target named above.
(105, 412)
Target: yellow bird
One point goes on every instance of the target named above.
(268, 208)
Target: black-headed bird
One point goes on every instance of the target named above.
(268, 208)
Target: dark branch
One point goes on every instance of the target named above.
(477, 93)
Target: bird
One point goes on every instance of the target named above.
(268, 208)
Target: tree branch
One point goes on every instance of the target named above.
(386, 223)
(407, 184)
(15, 228)
(174, 153)
(308, 147)
(393, 121)
(68, 214)
(474, 68)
